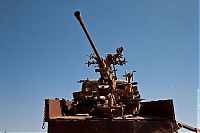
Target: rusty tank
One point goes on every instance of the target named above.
(109, 104)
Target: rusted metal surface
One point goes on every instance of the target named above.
(109, 126)
(154, 117)
(85, 123)
(52, 109)
(161, 108)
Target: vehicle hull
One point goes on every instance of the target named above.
(109, 126)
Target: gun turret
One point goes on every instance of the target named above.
(113, 91)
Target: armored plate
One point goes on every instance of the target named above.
(89, 124)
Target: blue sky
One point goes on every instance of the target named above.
(43, 50)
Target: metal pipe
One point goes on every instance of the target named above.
(188, 127)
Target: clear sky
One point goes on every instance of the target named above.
(43, 50)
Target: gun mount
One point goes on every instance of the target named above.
(107, 93)
(108, 104)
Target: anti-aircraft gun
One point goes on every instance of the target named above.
(107, 96)
(108, 104)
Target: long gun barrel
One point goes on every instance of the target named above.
(78, 16)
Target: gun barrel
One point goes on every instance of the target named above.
(188, 127)
(78, 16)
